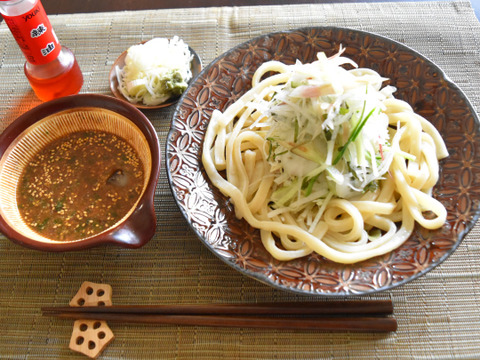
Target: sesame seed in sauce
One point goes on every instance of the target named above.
(79, 164)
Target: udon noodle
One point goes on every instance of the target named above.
(321, 158)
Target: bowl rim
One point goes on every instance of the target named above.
(122, 233)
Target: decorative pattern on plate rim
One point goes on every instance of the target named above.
(419, 82)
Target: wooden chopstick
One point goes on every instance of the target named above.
(299, 316)
(331, 323)
(280, 308)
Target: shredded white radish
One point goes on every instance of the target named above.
(155, 71)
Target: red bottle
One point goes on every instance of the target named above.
(51, 69)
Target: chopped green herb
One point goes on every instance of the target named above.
(42, 225)
(281, 153)
(270, 147)
(59, 205)
(309, 184)
(372, 186)
(328, 134)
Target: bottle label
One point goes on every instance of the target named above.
(34, 35)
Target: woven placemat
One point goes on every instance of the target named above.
(438, 314)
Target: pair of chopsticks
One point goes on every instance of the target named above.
(355, 315)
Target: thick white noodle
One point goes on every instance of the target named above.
(337, 228)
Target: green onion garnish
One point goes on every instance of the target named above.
(353, 135)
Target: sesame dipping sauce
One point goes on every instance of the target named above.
(80, 185)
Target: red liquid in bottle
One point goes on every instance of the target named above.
(58, 78)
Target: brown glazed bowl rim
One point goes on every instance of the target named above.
(134, 231)
(227, 77)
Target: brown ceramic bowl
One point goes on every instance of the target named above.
(419, 82)
(51, 120)
(195, 67)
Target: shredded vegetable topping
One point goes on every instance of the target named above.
(329, 132)
(155, 71)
